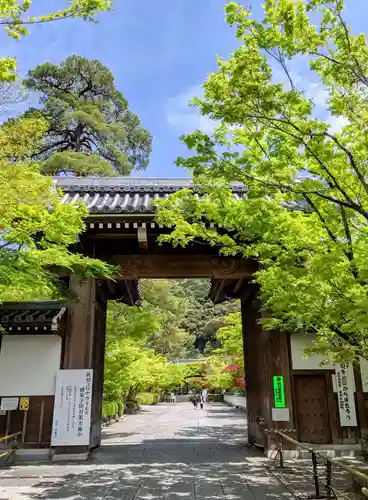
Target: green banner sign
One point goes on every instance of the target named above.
(279, 391)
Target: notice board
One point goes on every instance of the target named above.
(72, 409)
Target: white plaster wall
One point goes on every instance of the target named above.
(28, 364)
(298, 344)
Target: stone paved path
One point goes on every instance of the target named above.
(167, 452)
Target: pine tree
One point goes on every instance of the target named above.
(91, 131)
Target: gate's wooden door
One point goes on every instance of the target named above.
(312, 408)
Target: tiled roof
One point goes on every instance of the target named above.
(23, 316)
(114, 195)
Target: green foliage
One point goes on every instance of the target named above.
(209, 374)
(112, 409)
(91, 130)
(14, 16)
(131, 369)
(156, 323)
(305, 215)
(36, 229)
(168, 306)
(148, 398)
(231, 336)
(216, 377)
(229, 357)
(202, 317)
(141, 340)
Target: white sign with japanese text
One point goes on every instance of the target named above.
(9, 404)
(345, 395)
(72, 408)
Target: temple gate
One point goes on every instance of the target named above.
(284, 390)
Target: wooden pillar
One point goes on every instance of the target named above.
(85, 347)
(252, 339)
(266, 354)
(81, 324)
(98, 362)
(361, 410)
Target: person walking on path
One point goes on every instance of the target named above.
(173, 397)
(193, 399)
(204, 395)
(201, 401)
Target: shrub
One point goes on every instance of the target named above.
(112, 409)
(120, 408)
(148, 398)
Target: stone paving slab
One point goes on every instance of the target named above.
(166, 452)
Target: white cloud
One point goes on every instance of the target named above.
(185, 118)
(319, 94)
(337, 123)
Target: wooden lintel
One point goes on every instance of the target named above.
(183, 266)
(142, 237)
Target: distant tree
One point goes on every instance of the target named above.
(231, 336)
(156, 323)
(202, 317)
(169, 307)
(91, 130)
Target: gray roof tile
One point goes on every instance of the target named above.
(115, 195)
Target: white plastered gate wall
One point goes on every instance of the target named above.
(28, 365)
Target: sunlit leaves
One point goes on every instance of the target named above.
(16, 18)
(305, 214)
(37, 230)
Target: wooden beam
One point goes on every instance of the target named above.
(183, 266)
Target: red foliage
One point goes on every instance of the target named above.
(239, 381)
(231, 368)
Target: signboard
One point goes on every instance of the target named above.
(280, 414)
(9, 404)
(345, 395)
(279, 391)
(24, 403)
(72, 408)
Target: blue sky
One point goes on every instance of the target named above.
(160, 52)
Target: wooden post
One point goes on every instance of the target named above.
(80, 329)
(80, 337)
(85, 344)
(24, 426)
(278, 363)
(8, 419)
(252, 337)
(361, 411)
(40, 429)
(266, 354)
(98, 362)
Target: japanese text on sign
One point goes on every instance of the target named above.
(345, 395)
(72, 409)
(279, 391)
